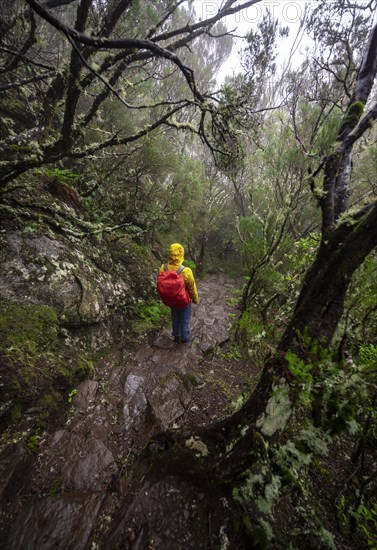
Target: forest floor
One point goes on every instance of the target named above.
(218, 376)
(85, 483)
(222, 376)
(75, 491)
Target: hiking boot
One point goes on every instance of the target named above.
(177, 339)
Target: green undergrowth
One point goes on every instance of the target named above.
(323, 467)
(255, 339)
(147, 315)
(36, 367)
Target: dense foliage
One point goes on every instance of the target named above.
(270, 176)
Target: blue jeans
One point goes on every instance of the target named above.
(181, 322)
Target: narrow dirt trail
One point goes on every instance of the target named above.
(75, 492)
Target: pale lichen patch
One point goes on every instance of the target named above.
(198, 445)
(277, 413)
(260, 487)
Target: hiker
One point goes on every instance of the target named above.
(177, 289)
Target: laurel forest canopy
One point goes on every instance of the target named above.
(270, 176)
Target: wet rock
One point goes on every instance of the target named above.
(146, 517)
(56, 522)
(207, 344)
(169, 401)
(15, 463)
(164, 341)
(134, 384)
(164, 361)
(136, 403)
(86, 393)
(220, 334)
(84, 464)
(144, 354)
(137, 418)
(209, 322)
(70, 276)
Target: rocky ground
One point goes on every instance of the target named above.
(80, 488)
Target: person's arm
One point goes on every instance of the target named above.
(190, 284)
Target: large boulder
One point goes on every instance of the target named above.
(67, 289)
(70, 275)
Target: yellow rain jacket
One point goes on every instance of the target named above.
(176, 258)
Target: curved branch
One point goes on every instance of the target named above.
(110, 89)
(364, 124)
(224, 11)
(25, 81)
(27, 60)
(13, 64)
(164, 19)
(116, 140)
(73, 90)
(127, 43)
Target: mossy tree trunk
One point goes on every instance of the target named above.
(344, 244)
(320, 304)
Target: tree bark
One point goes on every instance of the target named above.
(338, 165)
(320, 304)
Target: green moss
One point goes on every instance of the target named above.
(48, 404)
(190, 381)
(148, 315)
(16, 414)
(27, 332)
(354, 114)
(32, 442)
(302, 447)
(83, 367)
(62, 175)
(51, 401)
(165, 380)
(140, 250)
(35, 361)
(20, 148)
(11, 104)
(22, 325)
(357, 108)
(257, 533)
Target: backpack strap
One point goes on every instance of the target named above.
(179, 270)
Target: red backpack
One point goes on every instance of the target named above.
(171, 288)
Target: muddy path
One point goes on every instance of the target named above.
(74, 490)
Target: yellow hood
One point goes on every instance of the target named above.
(176, 254)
